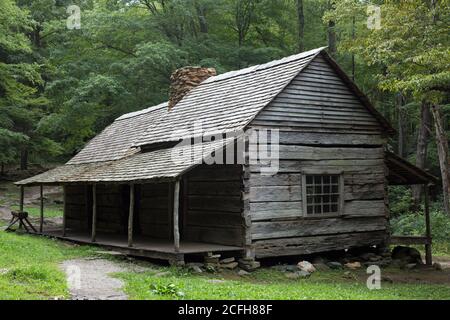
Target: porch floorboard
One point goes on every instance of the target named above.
(142, 245)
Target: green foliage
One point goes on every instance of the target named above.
(169, 290)
(400, 200)
(21, 102)
(413, 223)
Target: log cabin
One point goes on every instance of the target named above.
(140, 188)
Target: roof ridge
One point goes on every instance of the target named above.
(267, 65)
(141, 112)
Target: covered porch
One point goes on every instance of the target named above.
(144, 205)
(164, 238)
(401, 172)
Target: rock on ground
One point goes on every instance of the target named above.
(91, 279)
(306, 266)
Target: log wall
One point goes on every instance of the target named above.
(214, 205)
(112, 208)
(322, 127)
(154, 214)
(76, 209)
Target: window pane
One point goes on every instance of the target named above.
(322, 194)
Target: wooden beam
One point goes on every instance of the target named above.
(84, 223)
(41, 222)
(176, 227)
(22, 196)
(428, 254)
(131, 216)
(408, 240)
(170, 209)
(64, 211)
(94, 213)
(185, 199)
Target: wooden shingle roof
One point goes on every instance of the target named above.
(161, 165)
(117, 140)
(227, 102)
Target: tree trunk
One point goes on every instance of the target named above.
(353, 55)
(400, 102)
(201, 16)
(331, 32)
(422, 148)
(442, 144)
(2, 169)
(301, 26)
(24, 159)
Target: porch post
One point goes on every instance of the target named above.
(41, 222)
(94, 213)
(428, 254)
(176, 227)
(22, 196)
(64, 211)
(131, 216)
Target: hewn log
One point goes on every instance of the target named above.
(170, 209)
(131, 216)
(64, 222)
(308, 245)
(314, 227)
(22, 198)
(275, 193)
(176, 203)
(94, 213)
(224, 235)
(41, 220)
(275, 210)
(226, 204)
(313, 138)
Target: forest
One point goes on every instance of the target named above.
(65, 74)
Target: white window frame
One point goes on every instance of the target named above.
(341, 192)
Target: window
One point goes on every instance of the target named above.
(322, 194)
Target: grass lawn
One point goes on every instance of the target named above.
(29, 270)
(29, 266)
(271, 284)
(50, 211)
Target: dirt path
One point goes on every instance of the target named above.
(90, 279)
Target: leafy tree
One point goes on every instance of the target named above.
(412, 53)
(21, 105)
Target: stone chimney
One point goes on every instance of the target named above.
(185, 79)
